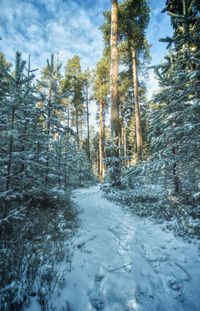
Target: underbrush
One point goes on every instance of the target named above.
(152, 201)
(34, 242)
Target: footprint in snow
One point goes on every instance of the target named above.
(145, 297)
(97, 302)
(153, 279)
(144, 292)
(81, 244)
(183, 274)
(155, 254)
(176, 287)
(95, 295)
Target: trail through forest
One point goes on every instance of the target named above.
(121, 262)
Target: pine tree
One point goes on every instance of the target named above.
(73, 83)
(114, 75)
(87, 84)
(175, 124)
(49, 86)
(132, 44)
(3, 61)
(101, 90)
(16, 105)
(134, 21)
(22, 140)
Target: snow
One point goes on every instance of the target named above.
(121, 262)
(196, 196)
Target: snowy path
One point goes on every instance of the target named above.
(124, 263)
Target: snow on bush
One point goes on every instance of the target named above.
(32, 248)
(148, 199)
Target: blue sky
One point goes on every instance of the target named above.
(64, 27)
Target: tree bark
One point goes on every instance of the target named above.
(48, 131)
(114, 74)
(101, 142)
(186, 23)
(68, 116)
(123, 139)
(88, 123)
(139, 141)
(176, 180)
(77, 125)
(10, 151)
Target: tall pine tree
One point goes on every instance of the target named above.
(175, 126)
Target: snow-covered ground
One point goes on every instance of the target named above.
(124, 263)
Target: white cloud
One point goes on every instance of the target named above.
(49, 27)
(62, 27)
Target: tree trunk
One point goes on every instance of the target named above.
(101, 142)
(176, 181)
(68, 116)
(114, 74)
(77, 126)
(88, 124)
(137, 108)
(48, 131)
(10, 150)
(186, 24)
(123, 138)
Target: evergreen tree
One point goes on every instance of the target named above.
(3, 61)
(18, 117)
(87, 83)
(73, 83)
(51, 109)
(114, 74)
(134, 21)
(133, 46)
(175, 123)
(101, 90)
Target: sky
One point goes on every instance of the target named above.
(68, 27)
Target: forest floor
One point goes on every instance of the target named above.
(121, 263)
